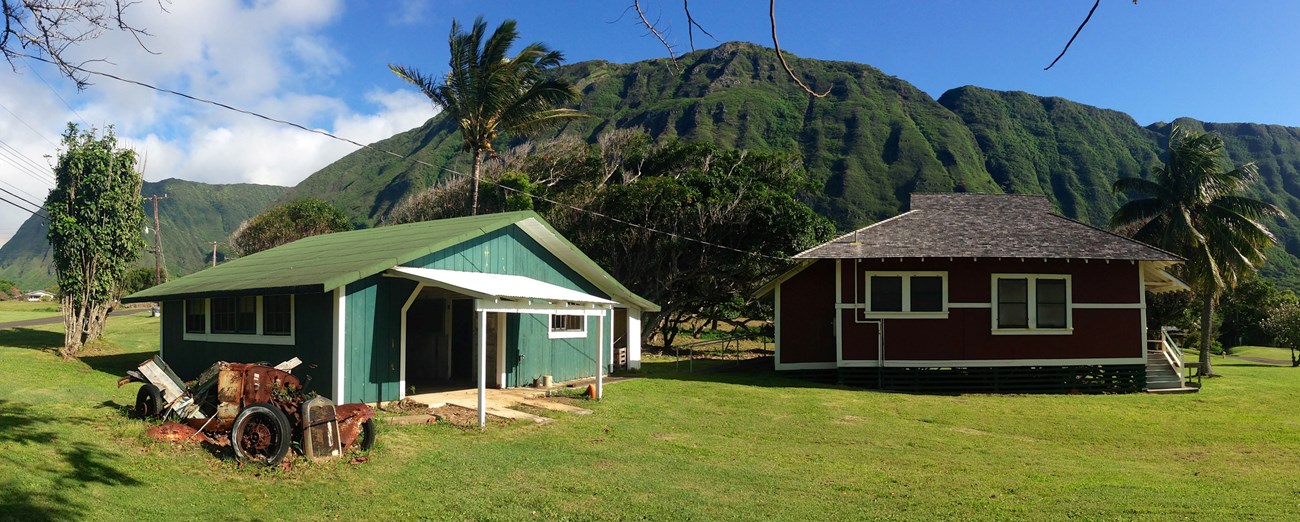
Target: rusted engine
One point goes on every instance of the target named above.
(262, 409)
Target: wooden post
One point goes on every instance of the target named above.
(482, 369)
(600, 356)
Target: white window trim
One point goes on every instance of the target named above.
(565, 334)
(253, 338)
(907, 276)
(1032, 305)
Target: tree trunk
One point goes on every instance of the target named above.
(474, 176)
(82, 324)
(1207, 335)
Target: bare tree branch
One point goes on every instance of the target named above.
(771, 11)
(691, 23)
(636, 4)
(1076, 34)
(47, 29)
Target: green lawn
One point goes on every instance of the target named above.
(1281, 355)
(22, 310)
(703, 446)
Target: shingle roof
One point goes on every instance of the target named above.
(984, 225)
(326, 262)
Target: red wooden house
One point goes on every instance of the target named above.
(973, 292)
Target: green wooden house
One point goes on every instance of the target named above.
(376, 313)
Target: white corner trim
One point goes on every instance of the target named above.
(340, 342)
(401, 373)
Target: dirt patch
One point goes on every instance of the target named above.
(458, 416)
(970, 431)
(850, 419)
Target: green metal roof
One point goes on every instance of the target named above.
(326, 262)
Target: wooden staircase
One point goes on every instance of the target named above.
(1165, 368)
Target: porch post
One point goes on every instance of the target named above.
(600, 356)
(482, 367)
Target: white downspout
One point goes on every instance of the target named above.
(482, 366)
(600, 356)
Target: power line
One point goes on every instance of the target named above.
(25, 200)
(56, 93)
(20, 120)
(415, 160)
(27, 166)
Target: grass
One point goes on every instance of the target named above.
(705, 446)
(23, 310)
(1281, 355)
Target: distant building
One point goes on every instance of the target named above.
(38, 295)
(974, 292)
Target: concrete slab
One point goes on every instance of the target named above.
(497, 410)
(542, 404)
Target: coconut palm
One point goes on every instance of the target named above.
(487, 93)
(1193, 207)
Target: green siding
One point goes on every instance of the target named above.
(372, 349)
(512, 251)
(313, 313)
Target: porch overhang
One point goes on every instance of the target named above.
(507, 293)
(1159, 281)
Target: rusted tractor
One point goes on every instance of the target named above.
(260, 410)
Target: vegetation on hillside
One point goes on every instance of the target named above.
(690, 226)
(287, 223)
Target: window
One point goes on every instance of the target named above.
(276, 315)
(196, 316)
(234, 315)
(1031, 303)
(242, 319)
(914, 295)
(563, 326)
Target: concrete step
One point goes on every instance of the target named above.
(555, 406)
(1162, 391)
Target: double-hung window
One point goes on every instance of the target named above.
(907, 294)
(1031, 303)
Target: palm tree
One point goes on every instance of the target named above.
(1194, 208)
(487, 92)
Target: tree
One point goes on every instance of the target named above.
(487, 93)
(1283, 322)
(1245, 308)
(48, 28)
(690, 226)
(95, 220)
(288, 223)
(138, 279)
(1193, 207)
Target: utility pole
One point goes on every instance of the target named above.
(159, 265)
(214, 254)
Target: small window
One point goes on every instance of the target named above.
(1051, 303)
(196, 316)
(1031, 303)
(234, 315)
(1013, 303)
(927, 294)
(568, 323)
(917, 295)
(276, 315)
(886, 293)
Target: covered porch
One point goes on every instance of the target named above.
(489, 328)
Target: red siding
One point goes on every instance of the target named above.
(808, 315)
(807, 304)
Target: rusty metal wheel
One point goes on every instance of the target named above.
(261, 433)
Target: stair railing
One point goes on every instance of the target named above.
(1173, 354)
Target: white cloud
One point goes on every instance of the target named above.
(268, 56)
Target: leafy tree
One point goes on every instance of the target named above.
(1283, 322)
(139, 279)
(487, 92)
(95, 220)
(1193, 207)
(643, 207)
(288, 223)
(1245, 308)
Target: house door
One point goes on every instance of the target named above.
(495, 349)
(462, 340)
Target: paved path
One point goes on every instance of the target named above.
(1273, 362)
(59, 318)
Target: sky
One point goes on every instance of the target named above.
(324, 64)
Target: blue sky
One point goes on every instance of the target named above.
(323, 63)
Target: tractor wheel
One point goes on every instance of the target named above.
(366, 439)
(261, 433)
(148, 402)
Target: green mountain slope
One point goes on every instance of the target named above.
(872, 141)
(194, 215)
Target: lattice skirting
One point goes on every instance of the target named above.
(1014, 379)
